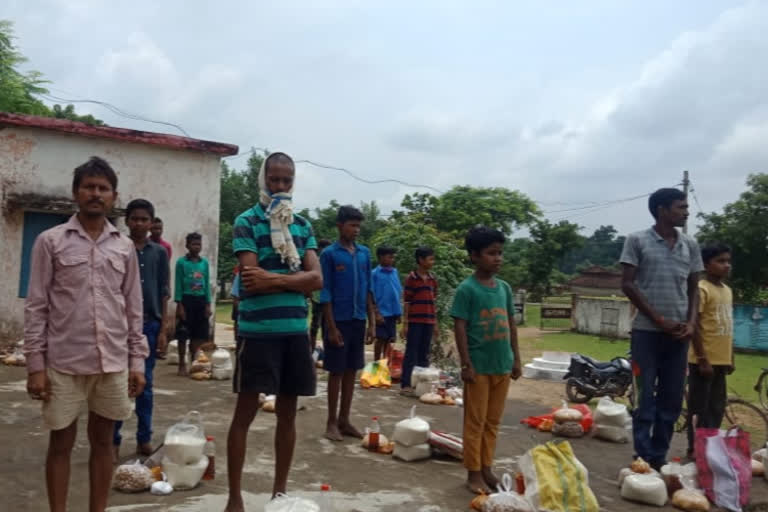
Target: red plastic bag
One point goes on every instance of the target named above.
(586, 421)
(535, 421)
(724, 465)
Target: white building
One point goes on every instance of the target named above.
(38, 155)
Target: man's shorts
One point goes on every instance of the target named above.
(105, 394)
(196, 320)
(388, 330)
(274, 364)
(351, 356)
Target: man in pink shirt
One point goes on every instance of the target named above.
(83, 332)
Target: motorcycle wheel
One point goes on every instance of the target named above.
(574, 392)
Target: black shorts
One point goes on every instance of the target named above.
(351, 356)
(388, 330)
(274, 365)
(196, 321)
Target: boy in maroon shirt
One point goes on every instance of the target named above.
(419, 315)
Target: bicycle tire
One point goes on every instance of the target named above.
(750, 418)
(762, 389)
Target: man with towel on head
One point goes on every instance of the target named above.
(276, 250)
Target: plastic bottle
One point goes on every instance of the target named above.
(326, 502)
(209, 450)
(373, 435)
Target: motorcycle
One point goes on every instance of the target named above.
(587, 378)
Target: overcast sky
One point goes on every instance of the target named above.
(572, 103)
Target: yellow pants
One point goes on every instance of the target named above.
(484, 402)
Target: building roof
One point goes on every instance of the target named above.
(597, 277)
(121, 134)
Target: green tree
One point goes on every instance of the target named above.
(69, 113)
(324, 221)
(463, 207)
(239, 192)
(743, 225)
(602, 248)
(551, 242)
(515, 268)
(450, 267)
(17, 89)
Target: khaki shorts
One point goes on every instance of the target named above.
(105, 394)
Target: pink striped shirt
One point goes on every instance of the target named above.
(83, 313)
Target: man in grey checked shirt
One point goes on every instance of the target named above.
(661, 274)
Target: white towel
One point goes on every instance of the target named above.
(279, 210)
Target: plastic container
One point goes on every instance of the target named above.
(373, 435)
(184, 476)
(184, 441)
(210, 451)
(326, 501)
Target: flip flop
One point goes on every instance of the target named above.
(477, 490)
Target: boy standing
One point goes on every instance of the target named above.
(660, 278)
(711, 356)
(420, 318)
(486, 338)
(153, 272)
(193, 298)
(387, 292)
(82, 332)
(156, 235)
(278, 268)
(347, 300)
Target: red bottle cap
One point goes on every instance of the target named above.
(325, 487)
(676, 459)
(209, 438)
(375, 418)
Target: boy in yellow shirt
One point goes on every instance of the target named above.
(710, 357)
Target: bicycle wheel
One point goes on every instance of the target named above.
(762, 389)
(750, 418)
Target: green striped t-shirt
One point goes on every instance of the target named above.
(273, 313)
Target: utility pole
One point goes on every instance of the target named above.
(686, 185)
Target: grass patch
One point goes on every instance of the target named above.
(741, 382)
(224, 313)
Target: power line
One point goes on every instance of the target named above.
(370, 182)
(348, 172)
(115, 110)
(598, 205)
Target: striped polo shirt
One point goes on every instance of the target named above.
(662, 273)
(421, 295)
(273, 313)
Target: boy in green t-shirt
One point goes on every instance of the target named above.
(193, 298)
(486, 338)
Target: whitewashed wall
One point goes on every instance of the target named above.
(182, 184)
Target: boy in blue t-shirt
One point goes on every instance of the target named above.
(347, 301)
(387, 292)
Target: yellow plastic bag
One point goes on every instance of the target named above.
(555, 480)
(376, 375)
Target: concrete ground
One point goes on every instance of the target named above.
(360, 481)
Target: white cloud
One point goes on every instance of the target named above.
(512, 96)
